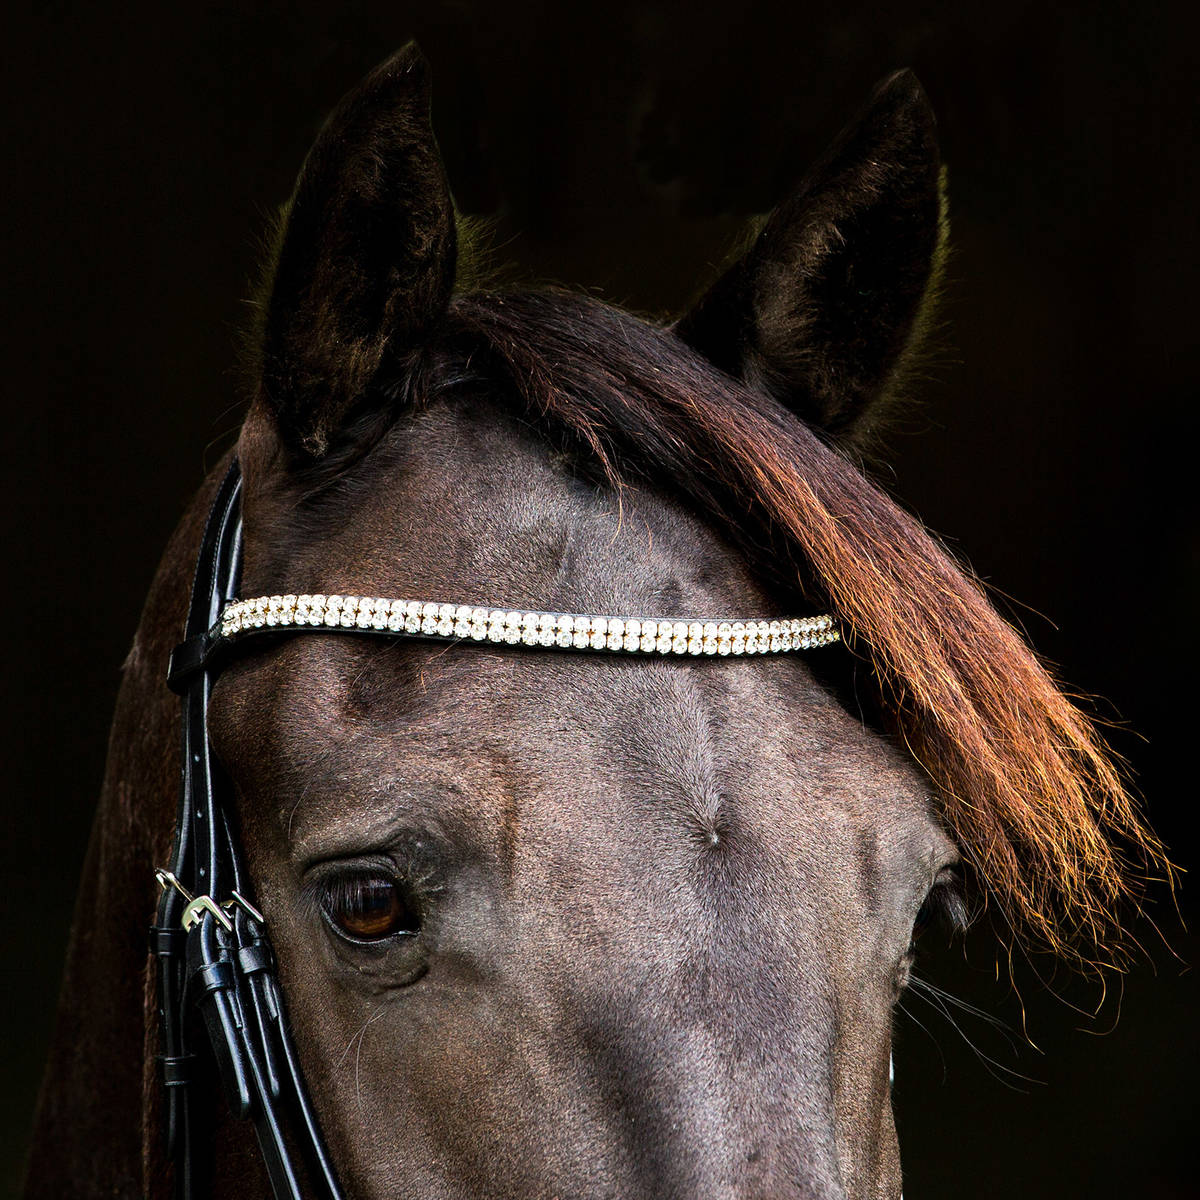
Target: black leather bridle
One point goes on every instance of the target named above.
(215, 964)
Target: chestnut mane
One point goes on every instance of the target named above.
(1028, 789)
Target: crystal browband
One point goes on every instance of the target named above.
(425, 619)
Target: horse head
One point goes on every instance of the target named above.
(554, 923)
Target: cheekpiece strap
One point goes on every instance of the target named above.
(216, 980)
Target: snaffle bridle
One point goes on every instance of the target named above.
(214, 957)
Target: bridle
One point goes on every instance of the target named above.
(214, 957)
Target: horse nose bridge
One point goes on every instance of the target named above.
(719, 1086)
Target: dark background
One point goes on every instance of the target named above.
(622, 145)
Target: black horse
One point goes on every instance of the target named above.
(588, 925)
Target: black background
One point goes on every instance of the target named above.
(622, 145)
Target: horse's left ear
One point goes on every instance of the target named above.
(365, 264)
(822, 307)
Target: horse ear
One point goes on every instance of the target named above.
(831, 293)
(366, 257)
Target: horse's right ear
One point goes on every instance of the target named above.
(366, 257)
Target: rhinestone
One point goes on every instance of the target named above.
(578, 630)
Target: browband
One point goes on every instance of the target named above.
(501, 626)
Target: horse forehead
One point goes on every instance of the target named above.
(575, 742)
(465, 503)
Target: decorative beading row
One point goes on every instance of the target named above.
(423, 618)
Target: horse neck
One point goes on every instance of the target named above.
(96, 1131)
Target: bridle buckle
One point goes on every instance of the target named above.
(197, 906)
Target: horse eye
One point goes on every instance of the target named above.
(925, 915)
(944, 903)
(368, 907)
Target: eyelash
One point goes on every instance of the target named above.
(368, 905)
(943, 903)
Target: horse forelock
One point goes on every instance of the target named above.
(1037, 803)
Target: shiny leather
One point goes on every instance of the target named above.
(219, 998)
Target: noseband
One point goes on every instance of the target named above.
(214, 958)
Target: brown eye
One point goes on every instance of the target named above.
(368, 907)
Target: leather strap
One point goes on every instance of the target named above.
(216, 970)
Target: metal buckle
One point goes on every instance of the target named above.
(237, 900)
(197, 906)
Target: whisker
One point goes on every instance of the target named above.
(941, 1002)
